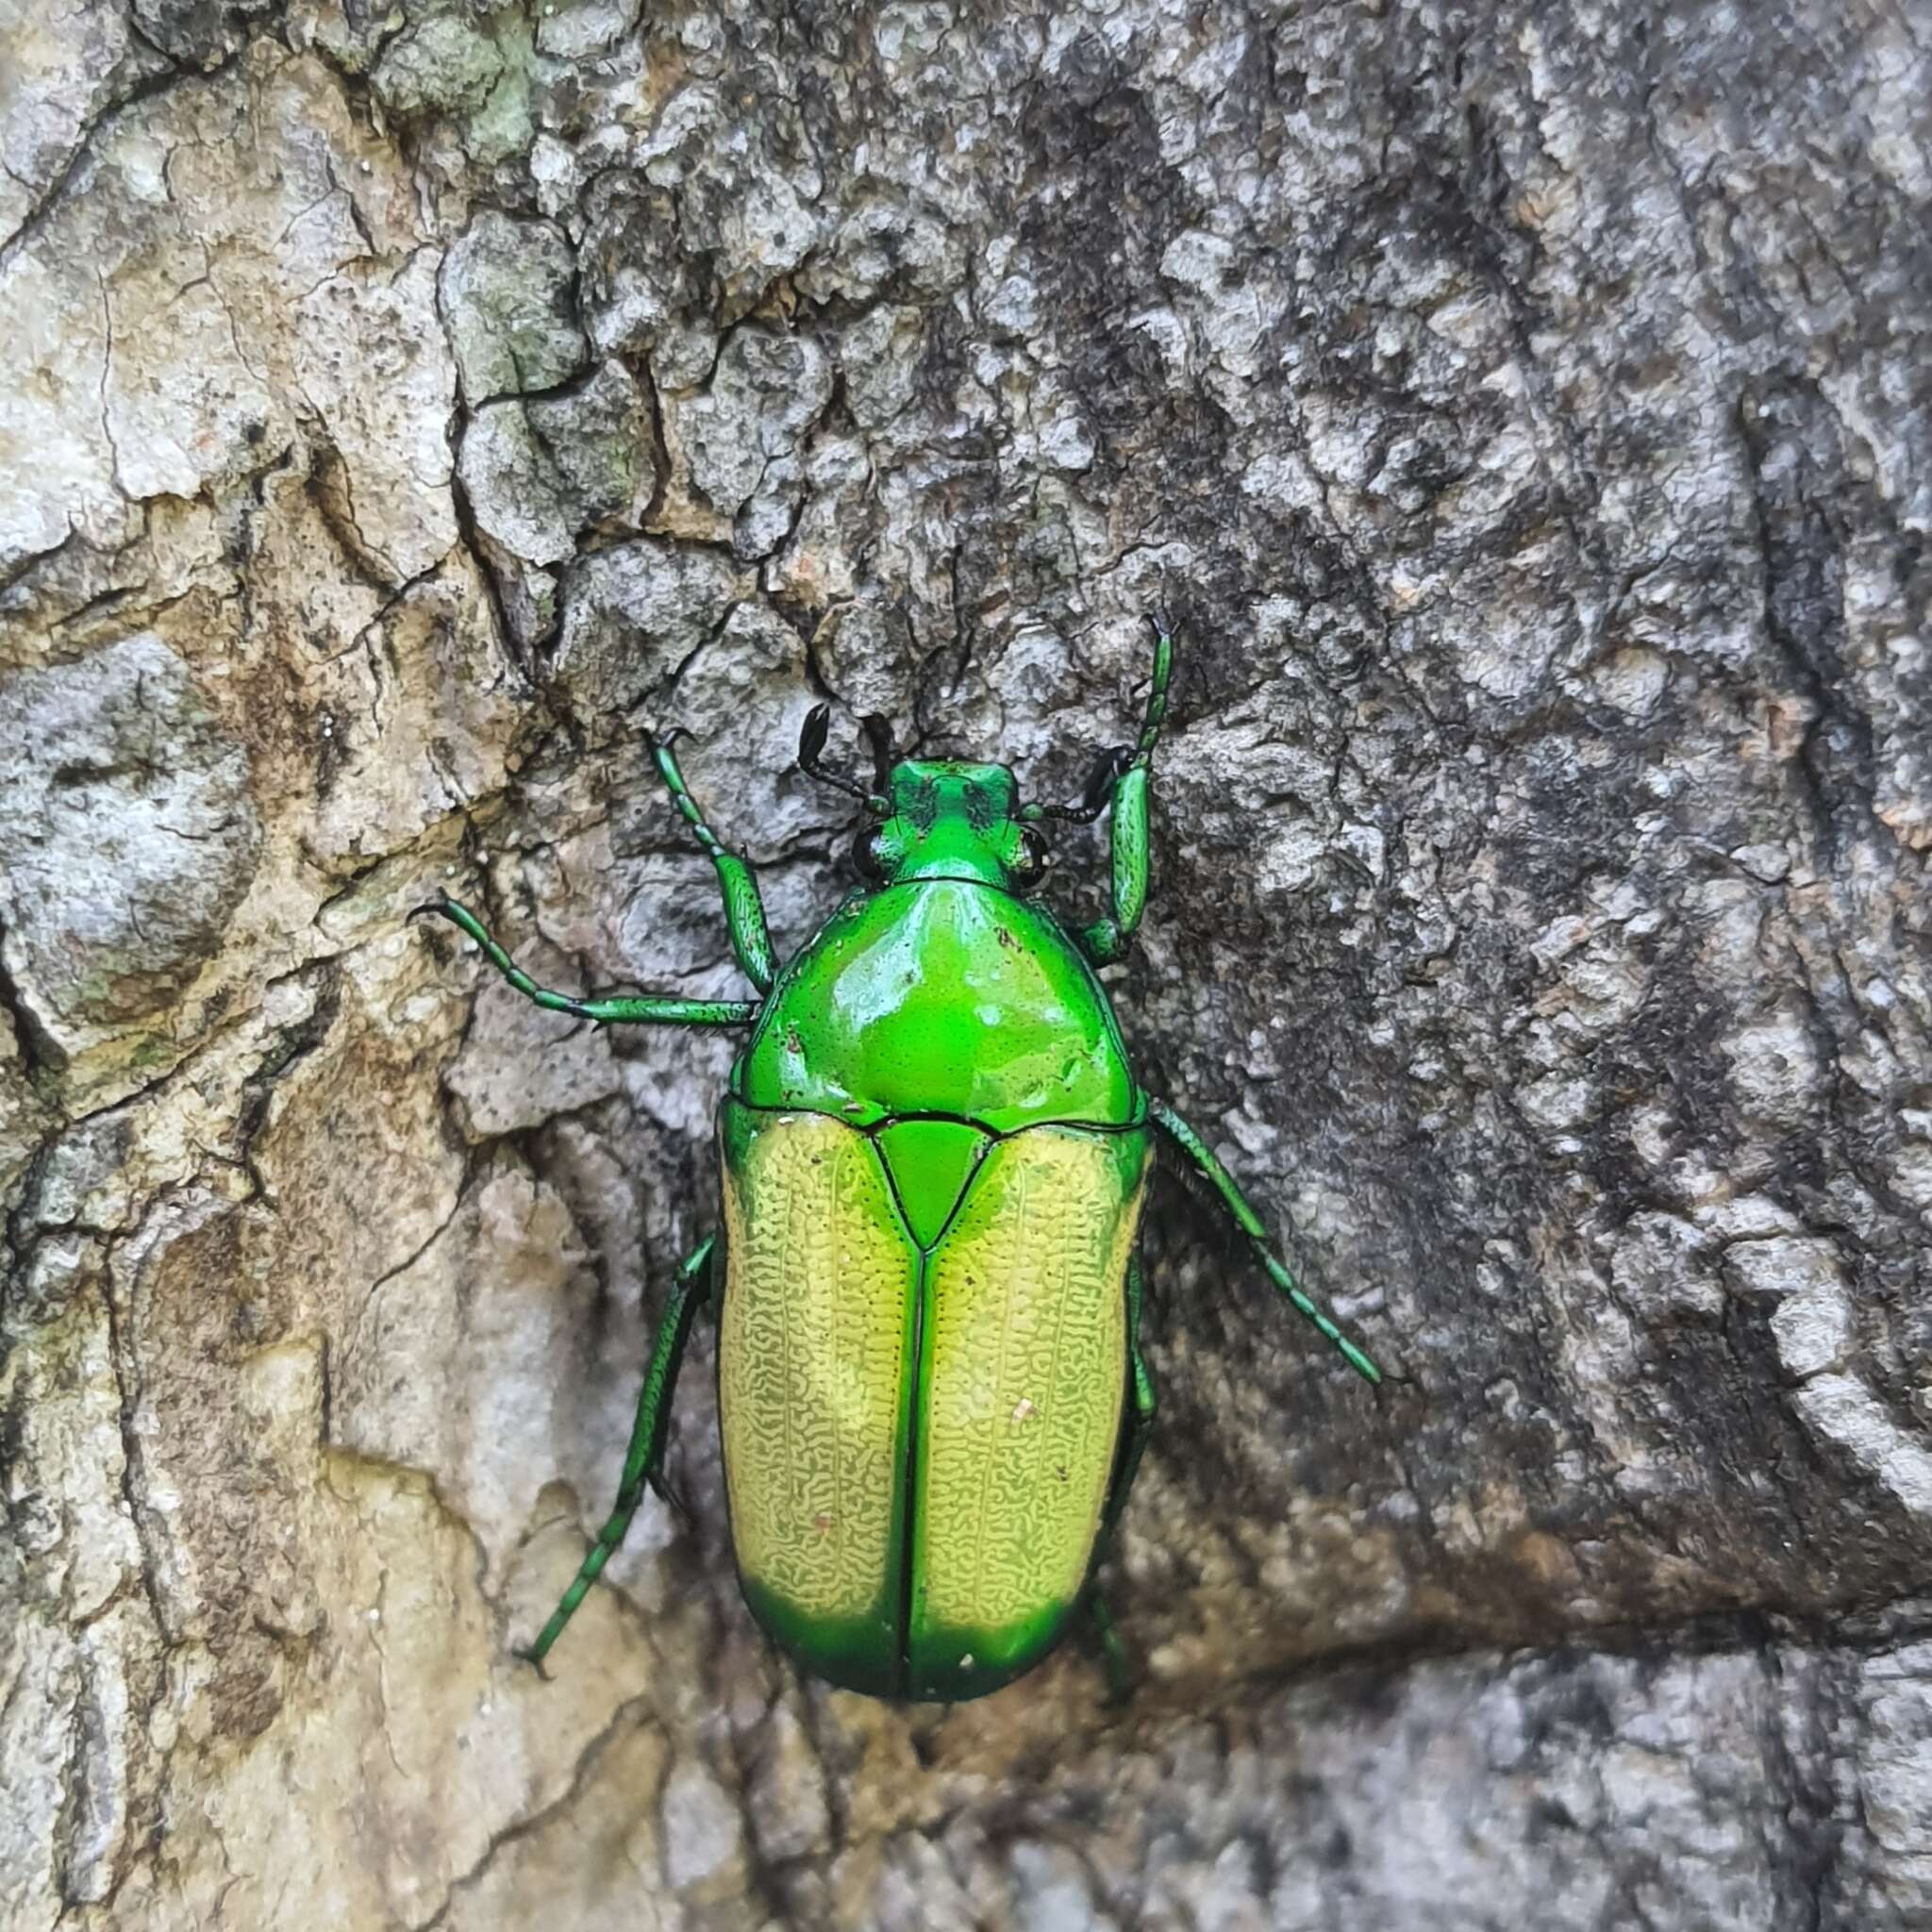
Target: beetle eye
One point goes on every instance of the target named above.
(1034, 857)
(868, 854)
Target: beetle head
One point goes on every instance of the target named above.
(950, 820)
(933, 820)
(941, 819)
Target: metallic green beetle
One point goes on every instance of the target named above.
(931, 1391)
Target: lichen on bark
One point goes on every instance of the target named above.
(1526, 411)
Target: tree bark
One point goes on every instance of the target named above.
(1527, 409)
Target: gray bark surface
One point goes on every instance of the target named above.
(1527, 410)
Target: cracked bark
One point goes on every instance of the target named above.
(1529, 419)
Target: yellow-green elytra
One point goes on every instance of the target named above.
(933, 1155)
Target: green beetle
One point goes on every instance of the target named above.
(934, 1152)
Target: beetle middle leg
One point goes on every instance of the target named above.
(642, 1465)
(1201, 1158)
(646, 1008)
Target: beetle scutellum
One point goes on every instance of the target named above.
(931, 1391)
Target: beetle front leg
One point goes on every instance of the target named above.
(1109, 939)
(650, 1007)
(1202, 1159)
(642, 1465)
(744, 911)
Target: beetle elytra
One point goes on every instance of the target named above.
(933, 1151)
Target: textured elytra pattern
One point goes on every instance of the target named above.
(812, 1348)
(1026, 1310)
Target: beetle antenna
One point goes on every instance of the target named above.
(812, 741)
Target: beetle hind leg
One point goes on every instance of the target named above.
(642, 1463)
(1106, 1636)
(1139, 1420)
(1100, 1622)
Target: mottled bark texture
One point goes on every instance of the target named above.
(1526, 407)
